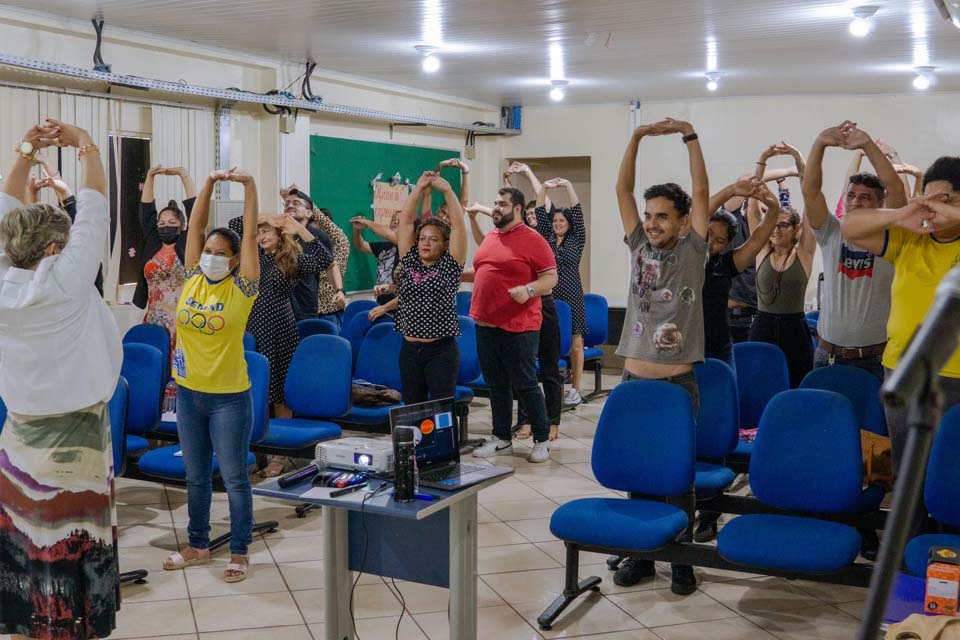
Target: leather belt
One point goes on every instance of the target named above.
(850, 353)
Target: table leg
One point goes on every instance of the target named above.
(336, 574)
(463, 569)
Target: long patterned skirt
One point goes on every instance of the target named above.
(58, 526)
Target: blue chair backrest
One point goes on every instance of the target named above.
(565, 320)
(761, 374)
(356, 307)
(249, 341)
(316, 326)
(118, 407)
(807, 453)
(354, 330)
(645, 441)
(258, 368)
(379, 356)
(943, 471)
(154, 335)
(598, 317)
(718, 420)
(319, 378)
(3, 413)
(814, 315)
(464, 298)
(143, 369)
(469, 358)
(860, 387)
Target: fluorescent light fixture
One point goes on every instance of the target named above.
(711, 54)
(558, 92)
(713, 78)
(924, 78)
(431, 63)
(431, 29)
(556, 62)
(861, 19)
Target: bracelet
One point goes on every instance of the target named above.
(87, 148)
(690, 138)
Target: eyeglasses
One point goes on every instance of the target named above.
(783, 226)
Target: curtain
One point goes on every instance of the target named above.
(18, 112)
(181, 138)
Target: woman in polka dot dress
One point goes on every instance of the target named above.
(566, 233)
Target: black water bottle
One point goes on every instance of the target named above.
(404, 465)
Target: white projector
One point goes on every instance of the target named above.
(373, 455)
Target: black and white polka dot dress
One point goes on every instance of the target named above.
(427, 306)
(568, 254)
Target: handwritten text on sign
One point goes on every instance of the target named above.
(387, 199)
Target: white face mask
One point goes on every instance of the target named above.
(215, 267)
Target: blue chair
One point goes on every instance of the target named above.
(316, 326)
(3, 413)
(464, 298)
(718, 423)
(565, 320)
(118, 407)
(377, 363)
(939, 495)
(154, 335)
(761, 373)
(315, 400)
(598, 317)
(805, 466)
(357, 307)
(355, 330)
(249, 341)
(656, 418)
(143, 369)
(860, 387)
(468, 372)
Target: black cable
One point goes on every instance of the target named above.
(403, 605)
(98, 63)
(366, 543)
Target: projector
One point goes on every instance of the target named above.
(372, 455)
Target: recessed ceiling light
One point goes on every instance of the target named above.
(861, 20)
(924, 78)
(713, 80)
(558, 92)
(431, 63)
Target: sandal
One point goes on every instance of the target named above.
(554, 431)
(272, 470)
(236, 571)
(523, 432)
(176, 561)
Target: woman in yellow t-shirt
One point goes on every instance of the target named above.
(214, 404)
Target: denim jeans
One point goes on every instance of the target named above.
(508, 363)
(871, 364)
(336, 318)
(429, 369)
(548, 353)
(216, 424)
(791, 333)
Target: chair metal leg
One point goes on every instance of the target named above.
(598, 389)
(305, 508)
(137, 576)
(467, 444)
(572, 589)
(258, 527)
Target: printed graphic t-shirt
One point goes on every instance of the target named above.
(386, 255)
(211, 320)
(664, 315)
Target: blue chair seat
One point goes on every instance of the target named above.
(136, 444)
(294, 433)
(168, 428)
(790, 543)
(369, 415)
(164, 463)
(592, 353)
(743, 450)
(918, 550)
(479, 383)
(618, 523)
(712, 479)
(463, 394)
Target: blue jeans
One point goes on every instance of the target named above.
(870, 364)
(336, 318)
(216, 424)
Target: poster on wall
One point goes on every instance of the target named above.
(387, 199)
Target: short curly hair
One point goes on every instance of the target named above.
(26, 233)
(672, 192)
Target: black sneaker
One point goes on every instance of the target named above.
(706, 529)
(870, 544)
(684, 582)
(632, 571)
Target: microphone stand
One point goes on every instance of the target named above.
(922, 419)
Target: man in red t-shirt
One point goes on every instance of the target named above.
(513, 267)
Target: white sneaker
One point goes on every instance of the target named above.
(540, 452)
(572, 398)
(494, 447)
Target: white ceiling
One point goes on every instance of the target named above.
(497, 51)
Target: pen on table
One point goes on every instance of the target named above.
(342, 492)
(423, 496)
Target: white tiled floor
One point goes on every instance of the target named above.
(520, 566)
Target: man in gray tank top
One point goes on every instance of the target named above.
(852, 328)
(663, 329)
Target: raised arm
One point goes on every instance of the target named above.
(18, 176)
(201, 214)
(472, 211)
(627, 177)
(382, 230)
(700, 208)
(896, 195)
(458, 231)
(147, 195)
(867, 227)
(464, 177)
(189, 187)
(852, 169)
(249, 256)
(815, 204)
(909, 170)
(746, 254)
(356, 235)
(408, 213)
(736, 202)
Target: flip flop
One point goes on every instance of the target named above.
(523, 432)
(176, 561)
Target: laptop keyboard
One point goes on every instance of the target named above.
(457, 470)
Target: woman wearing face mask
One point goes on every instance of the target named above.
(431, 264)
(214, 404)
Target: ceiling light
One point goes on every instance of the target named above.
(431, 63)
(713, 78)
(861, 20)
(924, 78)
(558, 92)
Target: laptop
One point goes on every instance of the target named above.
(438, 452)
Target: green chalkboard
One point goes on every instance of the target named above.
(340, 174)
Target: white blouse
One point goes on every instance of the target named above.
(60, 348)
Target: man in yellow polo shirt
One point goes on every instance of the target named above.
(922, 241)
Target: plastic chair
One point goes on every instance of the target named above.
(809, 466)
(154, 335)
(377, 363)
(565, 320)
(316, 326)
(468, 372)
(939, 495)
(3, 414)
(249, 341)
(598, 316)
(143, 369)
(860, 387)
(656, 418)
(718, 423)
(761, 373)
(464, 298)
(356, 330)
(357, 307)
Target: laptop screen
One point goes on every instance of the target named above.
(434, 418)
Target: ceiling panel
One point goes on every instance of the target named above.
(497, 51)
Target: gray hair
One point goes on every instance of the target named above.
(28, 231)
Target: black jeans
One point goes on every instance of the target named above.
(740, 319)
(791, 333)
(508, 363)
(549, 355)
(429, 369)
(870, 364)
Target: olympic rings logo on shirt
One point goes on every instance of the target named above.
(199, 321)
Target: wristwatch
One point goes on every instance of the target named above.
(531, 291)
(26, 149)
